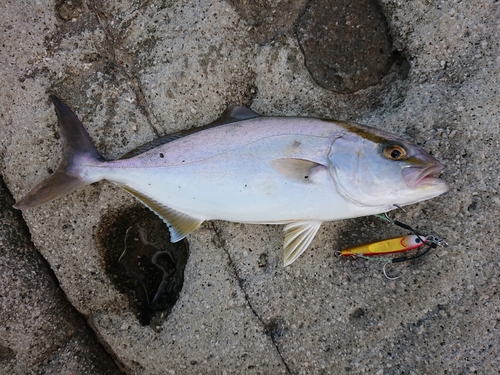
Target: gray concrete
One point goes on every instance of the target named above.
(40, 331)
(134, 71)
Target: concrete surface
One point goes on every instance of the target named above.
(40, 331)
(136, 70)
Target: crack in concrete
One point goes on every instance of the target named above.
(140, 97)
(219, 241)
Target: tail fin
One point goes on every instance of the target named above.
(78, 152)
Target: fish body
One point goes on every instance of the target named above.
(266, 170)
(254, 169)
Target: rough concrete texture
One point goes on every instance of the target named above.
(40, 331)
(136, 70)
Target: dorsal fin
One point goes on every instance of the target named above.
(233, 113)
(237, 113)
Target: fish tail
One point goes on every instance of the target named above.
(78, 154)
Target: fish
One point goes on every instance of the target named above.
(248, 168)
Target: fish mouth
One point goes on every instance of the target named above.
(424, 176)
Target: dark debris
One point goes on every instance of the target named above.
(141, 261)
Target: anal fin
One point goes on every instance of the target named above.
(298, 236)
(179, 224)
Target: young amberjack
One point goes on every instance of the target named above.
(253, 169)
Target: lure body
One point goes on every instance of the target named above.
(387, 246)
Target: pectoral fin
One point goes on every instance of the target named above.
(298, 236)
(296, 169)
(179, 224)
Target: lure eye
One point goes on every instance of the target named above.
(395, 152)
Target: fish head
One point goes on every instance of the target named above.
(374, 168)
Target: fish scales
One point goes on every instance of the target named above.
(239, 183)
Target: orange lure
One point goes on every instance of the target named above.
(387, 246)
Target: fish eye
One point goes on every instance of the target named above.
(395, 152)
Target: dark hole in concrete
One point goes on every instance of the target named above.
(263, 260)
(347, 44)
(6, 352)
(141, 262)
(357, 314)
(276, 327)
(69, 9)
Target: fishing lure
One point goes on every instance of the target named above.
(387, 246)
(375, 250)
